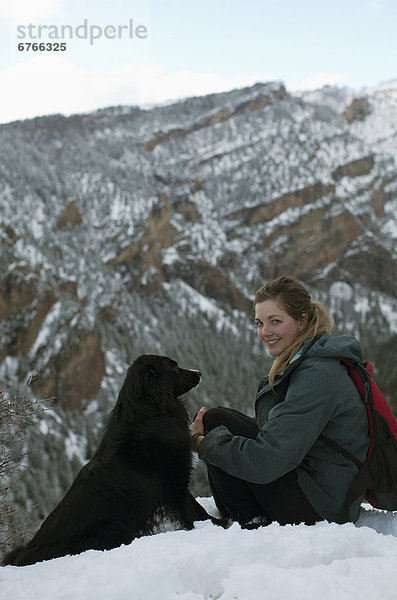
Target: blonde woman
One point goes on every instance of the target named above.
(276, 467)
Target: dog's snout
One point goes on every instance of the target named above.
(198, 375)
(194, 372)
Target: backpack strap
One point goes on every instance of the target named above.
(364, 377)
(341, 450)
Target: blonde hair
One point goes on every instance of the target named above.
(294, 298)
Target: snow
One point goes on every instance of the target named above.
(341, 290)
(73, 447)
(326, 561)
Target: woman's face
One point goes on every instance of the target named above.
(276, 329)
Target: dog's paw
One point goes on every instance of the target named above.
(224, 522)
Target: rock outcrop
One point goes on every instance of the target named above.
(224, 114)
(355, 168)
(358, 110)
(70, 216)
(74, 374)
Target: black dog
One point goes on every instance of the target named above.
(139, 473)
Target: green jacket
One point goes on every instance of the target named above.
(312, 396)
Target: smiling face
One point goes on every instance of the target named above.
(276, 328)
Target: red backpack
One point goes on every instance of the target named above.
(377, 476)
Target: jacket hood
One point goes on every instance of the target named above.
(343, 346)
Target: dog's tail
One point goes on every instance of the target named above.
(22, 556)
(27, 554)
(12, 557)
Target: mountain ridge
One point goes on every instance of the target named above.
(234, 188)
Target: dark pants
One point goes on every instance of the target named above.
(281, 500)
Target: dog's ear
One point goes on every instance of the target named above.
(154, 392)
(144, 390)
(128, 398)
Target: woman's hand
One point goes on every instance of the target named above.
(197, 429)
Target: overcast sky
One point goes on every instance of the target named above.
(149, 51)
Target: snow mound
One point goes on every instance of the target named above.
(324, 561)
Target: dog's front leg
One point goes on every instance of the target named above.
(191, 511)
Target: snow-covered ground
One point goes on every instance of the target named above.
(322, 562)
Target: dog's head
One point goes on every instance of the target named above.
(154, 382)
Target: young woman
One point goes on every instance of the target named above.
(276, 467)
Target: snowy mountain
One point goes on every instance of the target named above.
(127, 231)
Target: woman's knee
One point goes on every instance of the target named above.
(236, 422)
(213, 417)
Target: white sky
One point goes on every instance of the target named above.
(191, 48)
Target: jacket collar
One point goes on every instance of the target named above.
(293, 363)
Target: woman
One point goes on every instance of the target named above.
(276, 467)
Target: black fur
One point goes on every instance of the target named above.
(141, 468)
